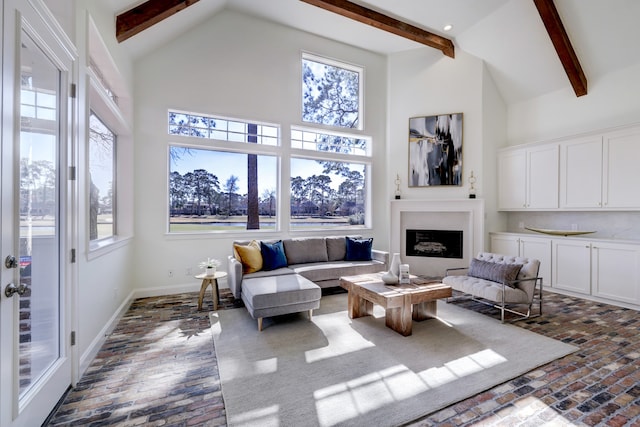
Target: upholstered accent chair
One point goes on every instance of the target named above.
(508, 283)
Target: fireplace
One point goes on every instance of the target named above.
(464, 216)
(434, 243)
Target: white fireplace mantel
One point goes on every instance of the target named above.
(469, 212)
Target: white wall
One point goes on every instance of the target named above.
(105, 280)
(494, 136)
(612, 100)
(235, 66)
(423, 82)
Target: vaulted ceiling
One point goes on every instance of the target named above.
(509, 35)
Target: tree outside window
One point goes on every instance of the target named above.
(102, 149)
(209, 190)
(331, 92)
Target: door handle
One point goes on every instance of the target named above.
(12, 289)
(10, 262)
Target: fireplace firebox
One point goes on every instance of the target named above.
(434, 243)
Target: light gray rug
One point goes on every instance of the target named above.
(338, 371)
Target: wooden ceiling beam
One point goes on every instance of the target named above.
(562, 44)
(386, 23)
(143, 16)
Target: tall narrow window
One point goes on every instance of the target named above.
(102, 150)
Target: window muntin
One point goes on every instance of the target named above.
(209, 191)
(331, 92)
(327, 194)
(102, 165)
(316, 140)
(210, 127)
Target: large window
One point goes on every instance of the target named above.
(225, 174)
(102, 150)
(327, 194)
(212, 190)
(331, 92)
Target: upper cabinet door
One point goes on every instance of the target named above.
(581, 173)
(542, 177)
(621, 171)
(512, 182)
(528, 178)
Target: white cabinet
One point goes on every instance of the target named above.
(602, 269)
(600, 172)
(621, 172)
(615, 271)
(597, 268)
(581, 173)
(571, 265)
(528, 178)
(528, 247)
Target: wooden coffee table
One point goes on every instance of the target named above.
(402, 303)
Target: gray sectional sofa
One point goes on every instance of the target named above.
(311, 263)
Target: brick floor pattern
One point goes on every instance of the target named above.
(158, 368)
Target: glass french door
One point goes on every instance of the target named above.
(35, 362)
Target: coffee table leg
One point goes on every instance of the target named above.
(425, 310)
(399, 318)
(358, 307)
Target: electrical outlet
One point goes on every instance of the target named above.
(574, 227)
(521, 225)
(170, 273)
(188, 271)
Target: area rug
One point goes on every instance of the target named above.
(335, 371)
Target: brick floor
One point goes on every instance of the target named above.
(158, 368)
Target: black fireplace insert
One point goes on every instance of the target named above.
(434, 243)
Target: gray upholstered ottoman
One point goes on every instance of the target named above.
(276, 295)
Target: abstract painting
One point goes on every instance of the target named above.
(435, 150)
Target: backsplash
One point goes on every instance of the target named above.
(608, 225)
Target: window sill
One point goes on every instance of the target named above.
(103, 247)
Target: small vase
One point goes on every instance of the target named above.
(210, 271)
(389, 278)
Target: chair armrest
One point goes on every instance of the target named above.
(531, 291)
(234, 271)
(458, 271)
(381, 256)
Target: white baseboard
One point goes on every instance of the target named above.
(93, 349)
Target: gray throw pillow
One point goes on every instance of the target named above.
(494, 271)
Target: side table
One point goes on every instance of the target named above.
(213, 281)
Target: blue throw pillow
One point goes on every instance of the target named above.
(358, 249)
(273, 255)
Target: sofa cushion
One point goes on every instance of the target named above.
(273, 256)
(486, 289)
(493, 271)
(249, 255)
(336, 248)
(319, 272)
(358, 249)
(300, 251)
